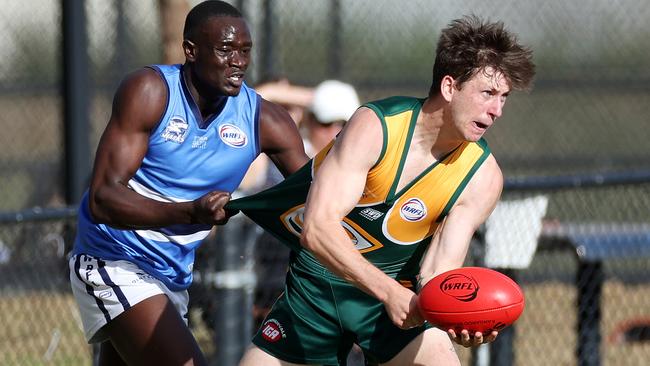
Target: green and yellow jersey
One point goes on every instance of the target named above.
(391, 228)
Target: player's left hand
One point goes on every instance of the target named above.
(466, 340)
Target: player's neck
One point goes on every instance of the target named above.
(430, 130)
(208, 107)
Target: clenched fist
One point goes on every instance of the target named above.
(208, 209)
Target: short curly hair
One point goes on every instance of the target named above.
(469, 45)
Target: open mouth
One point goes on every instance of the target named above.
(481, 125)
(236, 78)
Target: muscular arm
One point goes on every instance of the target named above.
(280, 139)
(336, 189)
(450, 242)
(137, 107)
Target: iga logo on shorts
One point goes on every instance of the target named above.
(413, 210)
(272, 331)
(232, 135)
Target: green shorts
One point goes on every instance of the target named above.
(319, 317)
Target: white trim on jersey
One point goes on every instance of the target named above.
(178, 239)
(157, 235)
(144, 191)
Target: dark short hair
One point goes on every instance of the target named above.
(205, 10)
(469, 45)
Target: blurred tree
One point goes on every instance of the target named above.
(172, 19)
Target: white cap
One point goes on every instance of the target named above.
(334, 101)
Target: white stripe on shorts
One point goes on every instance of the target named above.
(105, 289)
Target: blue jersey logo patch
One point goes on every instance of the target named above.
(176, 130)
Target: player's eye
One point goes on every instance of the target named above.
(223, 52)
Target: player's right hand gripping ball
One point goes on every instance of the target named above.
(473, 298)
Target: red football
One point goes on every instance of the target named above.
(473, 298)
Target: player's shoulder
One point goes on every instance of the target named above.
(488, 177)
(482, 192)
(143, 84)
(144, 80)
(269, 107)
(394, 105)
(491, 167)
(142, 96)
(274, 116)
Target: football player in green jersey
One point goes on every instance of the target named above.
(394, 201)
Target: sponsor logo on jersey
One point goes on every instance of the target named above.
(294, 218)
(359, 241)
(200, 142)
(460, 287)
(176, 130)
(371, 214)
(413, 210)
(232, 135)
(105, 294)
(273, 331)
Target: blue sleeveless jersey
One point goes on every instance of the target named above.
(185, 160)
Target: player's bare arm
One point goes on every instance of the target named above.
(451, 241)
(280, 139)
(336, 189)
(137, 108)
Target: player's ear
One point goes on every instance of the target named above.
(189, 49)
(447, 87)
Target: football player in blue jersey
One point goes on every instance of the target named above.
(180, 139)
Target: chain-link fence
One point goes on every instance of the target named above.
(586, 117)
(587, 285)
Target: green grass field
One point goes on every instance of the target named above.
(43, 328)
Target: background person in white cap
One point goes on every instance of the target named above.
(333, 104)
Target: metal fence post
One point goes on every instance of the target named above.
(234, 282)
(267, 56)
(335, 45)
(589, 282)
(76, 99)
